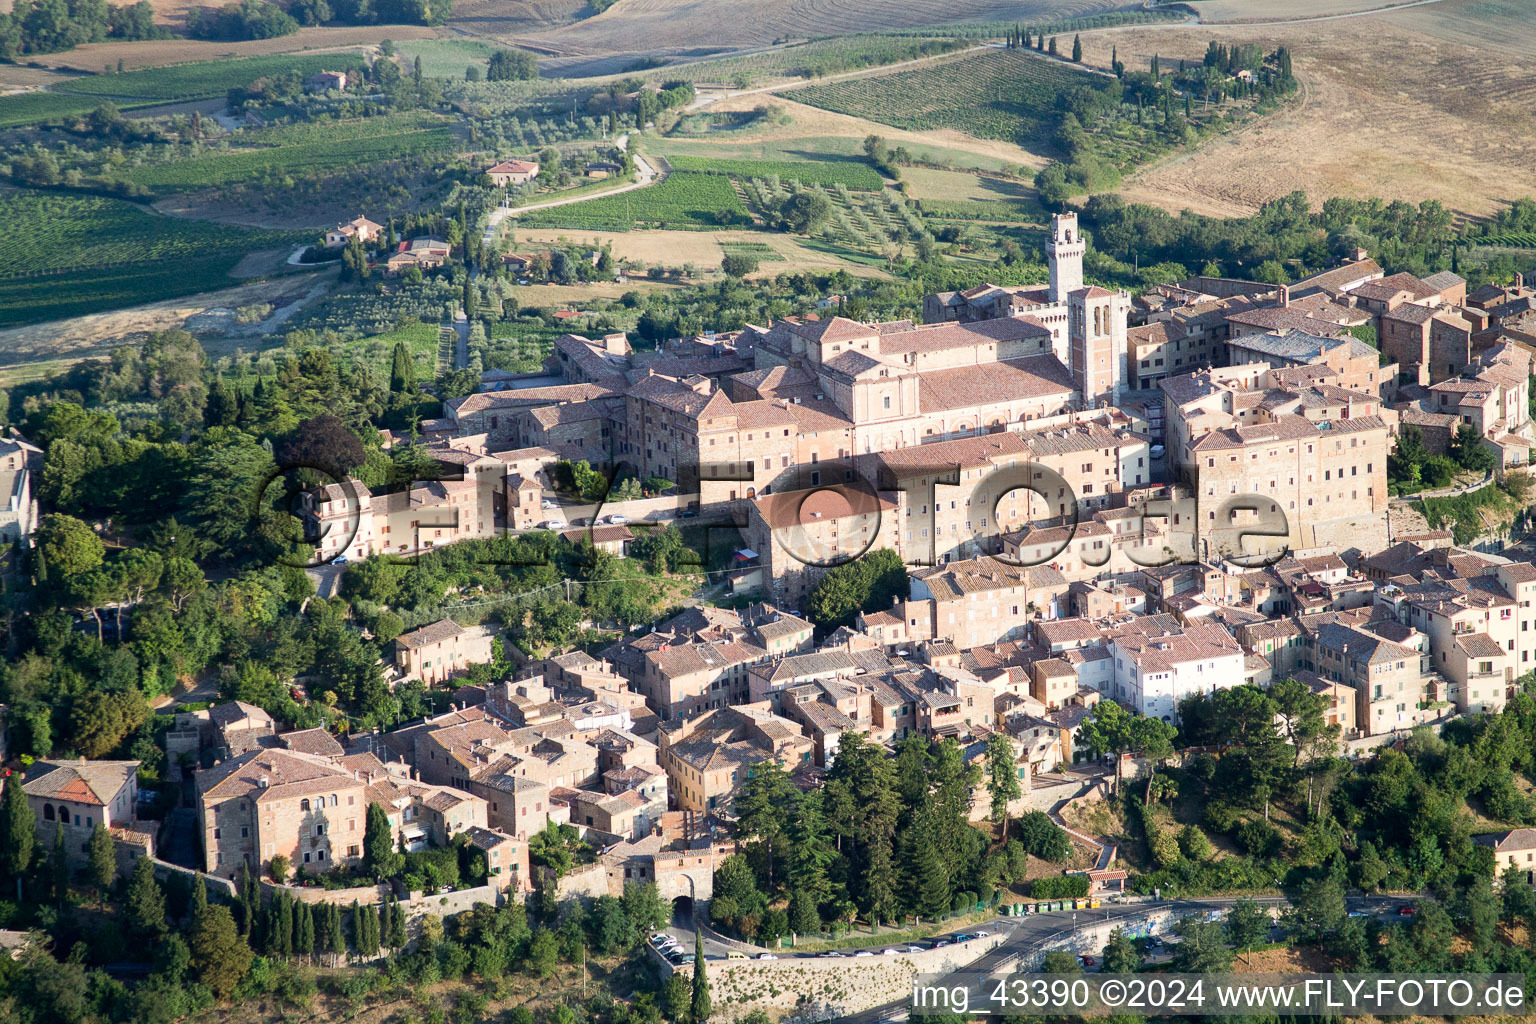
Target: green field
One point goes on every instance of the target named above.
(301, 149)
(446, 58)
(1001, 94)
(852, 173)
(84, 254)
(683, 200)
(153, 86)
(760, 251)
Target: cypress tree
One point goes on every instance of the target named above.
(18, 825)
(304, 932)
(322, 926)
(199, 908)
(700, 1004)
(357, 926)
(1077, 49)
(402, 372)
(250, 900)
(397, 926)
(1051, 47)
(279, 925)
(58, 861)
(338, 933)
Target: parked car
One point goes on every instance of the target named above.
(339, 560)
(767, 956)
(890, 952)
(962, 937)
(686, 958)
(982, 934)
(688, 513)
(940, 944)
(1405, 911)
(863, 952)
(1089, 961)
(618, 520)
(1157, 451)
(911, 949)
(556, 524)
(549, 504)
(661, 938)
(734, 955)
(833, 955)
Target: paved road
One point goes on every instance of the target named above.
(1028, 936)
(461, 345)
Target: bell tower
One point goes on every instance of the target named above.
(1064, 252)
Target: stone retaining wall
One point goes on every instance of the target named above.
(818, 989)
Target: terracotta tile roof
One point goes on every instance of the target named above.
(443, 629)
(82, 781)
(1007, 380)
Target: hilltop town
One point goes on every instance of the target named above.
(635, 514)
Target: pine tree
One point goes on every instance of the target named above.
(930, 893)
(146, 903)
(700, 1005)
(18, 826)
(1077, 49)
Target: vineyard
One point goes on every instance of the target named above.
(869, 222)
(153, 86)
(851, 173)
(681, 200)
(1509, 240)
(1001, 94)
(84, 254)
(301, 149)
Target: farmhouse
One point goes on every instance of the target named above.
(326, 81)
(363, 229)
(512, 172)
(427, 253)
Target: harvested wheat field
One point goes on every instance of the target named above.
(1455, 123)
(155, 52)
(1239, 11)
(671, 25)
